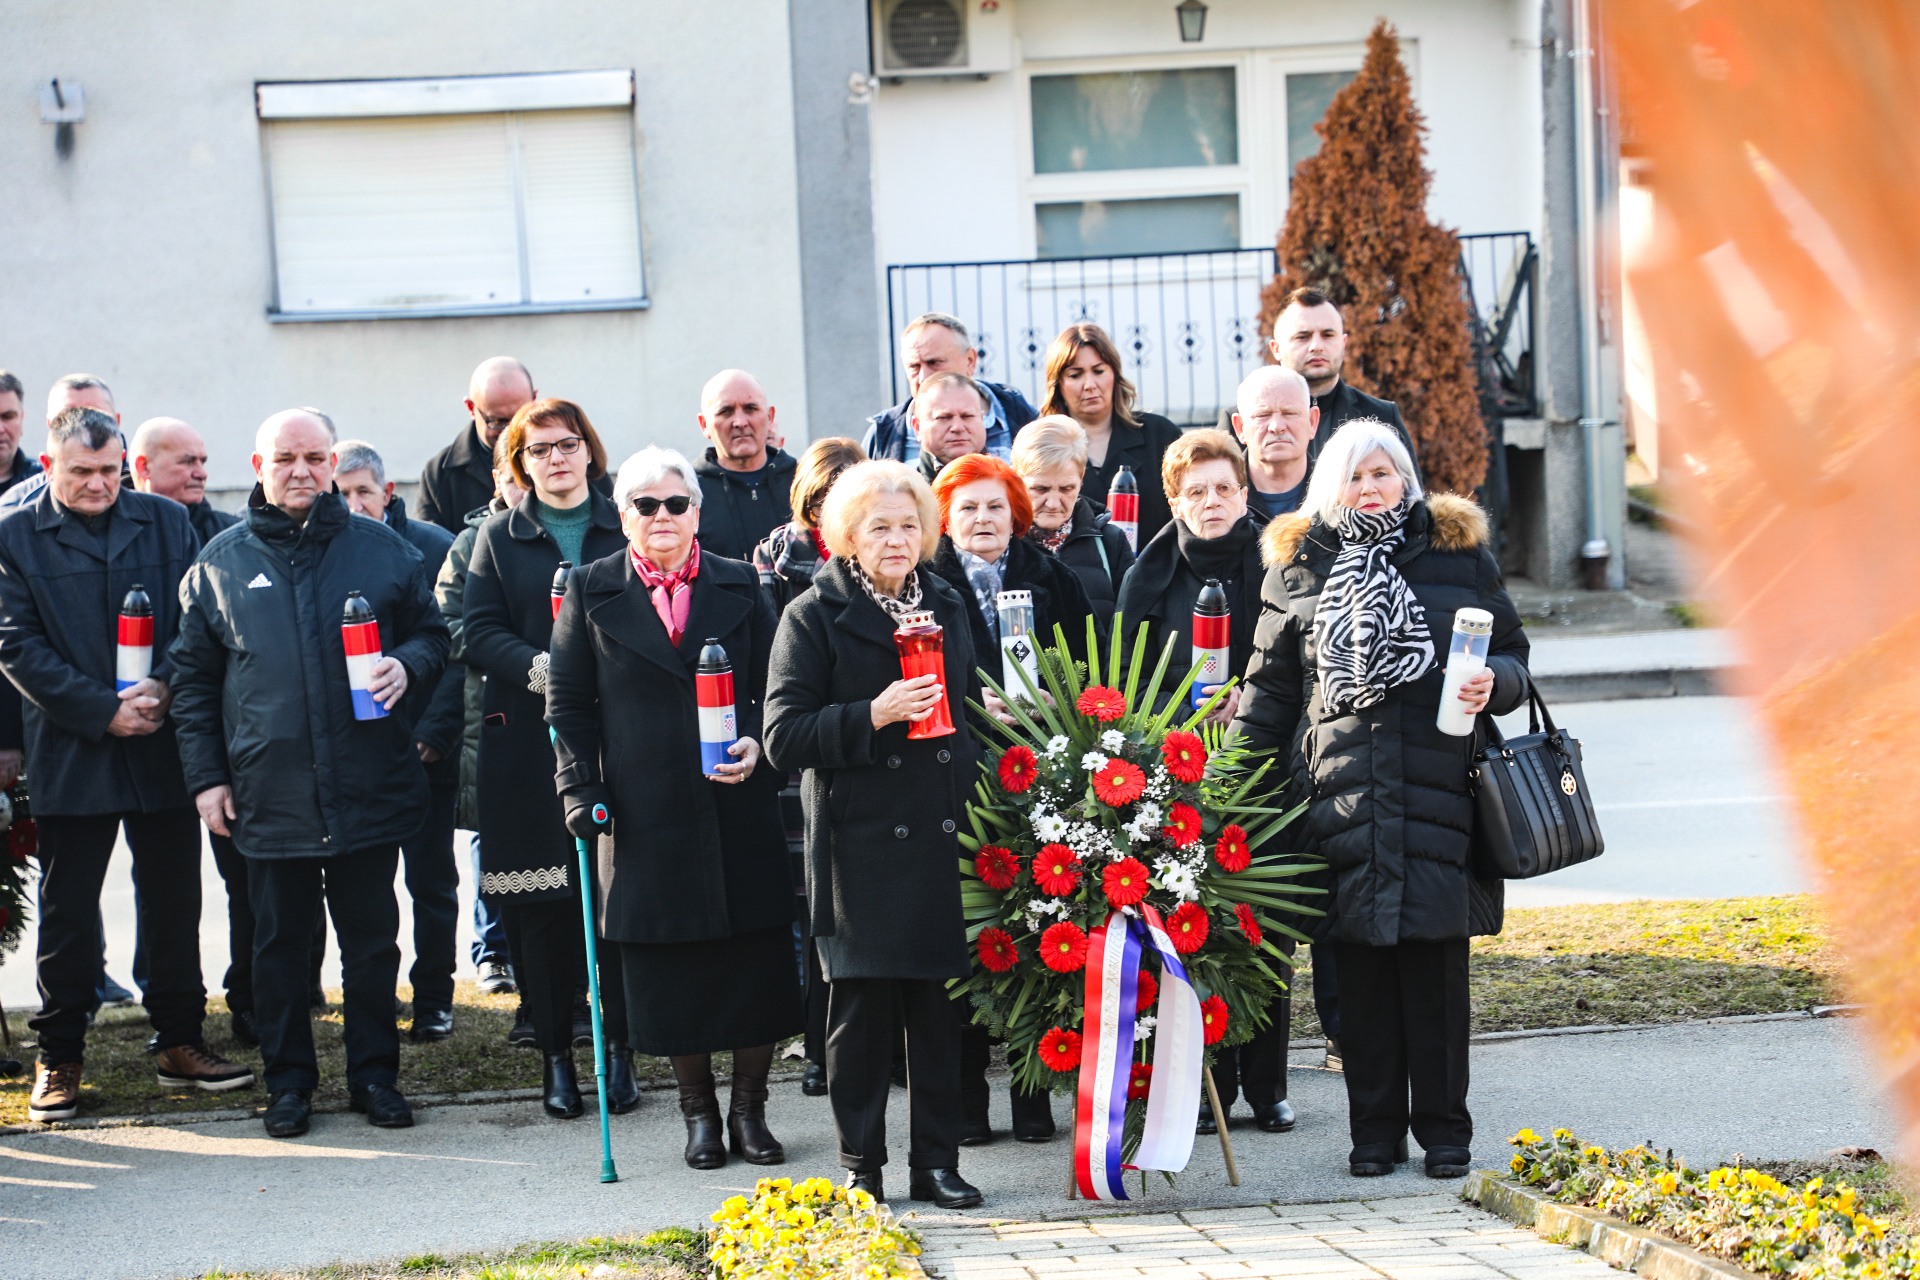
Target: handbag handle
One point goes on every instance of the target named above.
(1537, 713)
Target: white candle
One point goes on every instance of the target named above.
(1466, 658)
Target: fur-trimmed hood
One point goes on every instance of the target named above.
(1458, 525)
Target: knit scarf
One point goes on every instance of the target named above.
(1370, 632)
(896, 608)
(672, 592)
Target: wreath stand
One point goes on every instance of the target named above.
(1220, 1127)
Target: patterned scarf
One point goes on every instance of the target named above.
(1056, 539)
(672, 592)
(896, 608)
(1370, 632)
(986, 578)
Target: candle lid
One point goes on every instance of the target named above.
(1014, 598)
(922, 619)
(1475, 622)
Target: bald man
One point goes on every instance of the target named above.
(170, 458)
(458, 480)
(277, 756)
(744, 479)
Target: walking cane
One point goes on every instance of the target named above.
(607, 1171)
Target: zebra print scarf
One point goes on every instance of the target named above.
(1370, 632)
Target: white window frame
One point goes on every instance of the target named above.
(444, 96)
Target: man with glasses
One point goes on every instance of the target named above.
(1275, 422)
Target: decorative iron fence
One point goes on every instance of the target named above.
(1499, 271)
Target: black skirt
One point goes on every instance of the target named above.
(702, 997)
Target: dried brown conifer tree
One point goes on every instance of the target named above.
(1357, 227)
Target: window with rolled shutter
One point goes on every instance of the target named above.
(453, 197)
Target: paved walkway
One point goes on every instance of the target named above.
(1425, 1237)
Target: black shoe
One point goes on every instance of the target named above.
(1206, 1123)
(289, 1113)
(383, 1106)
(560, 1088)
(521, 1036)
(430, 1025)
(245, 1033)
(1376, 1159)
(1334, 1062)
(1033, 1116)
(582, 1025)
(945, 1187)
(623, 1086)
(747, 1131)
(814, 1082)
(1449, 1162)
(706, 1137)
(869, 1182)
(317, 998)
(1274, 1117)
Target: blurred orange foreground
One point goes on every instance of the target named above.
(1780, 290)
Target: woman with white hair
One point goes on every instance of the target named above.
(883, 816)
(1346, 677)
(696, 899)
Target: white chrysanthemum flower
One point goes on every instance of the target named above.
(1093, 761)
(1143, 1028)
(1149, 813)
(1113, 740)
(1058, 744)
(1048, 826)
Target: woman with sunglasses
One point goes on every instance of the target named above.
(697, 898)
(527, 860)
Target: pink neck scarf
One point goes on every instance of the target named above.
(672, 592)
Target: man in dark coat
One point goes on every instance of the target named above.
(169, 458)
(103, 752)
(274, 755)
(1310, 338)
(20, 464)
(938, 343)
(745, 483)
(433, 877)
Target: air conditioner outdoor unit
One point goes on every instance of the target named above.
(921, 38)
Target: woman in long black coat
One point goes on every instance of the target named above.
(1346, 679)
(883, 813)
(696, 899)
(527, 859)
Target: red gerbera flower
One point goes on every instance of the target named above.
(1149, 989)
(1248, 925)
(1139, 1080)
(1102, 703)
(1119, 782)
(1188, 928)
(1213, 1019)
(1063, 948)
(1230, 850)
(996, 950)
(1185, 754)
(1125, 882)
(1056, 870)
(1183, 824)
(1018, 768)
(1059, 1049)
(997, 867)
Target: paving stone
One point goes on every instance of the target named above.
(966, 1270)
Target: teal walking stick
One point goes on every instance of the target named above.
(607, 1171)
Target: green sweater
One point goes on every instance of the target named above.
(568, 527)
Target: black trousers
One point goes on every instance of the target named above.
(357, 889)
(1258, 1068)
(232, 865)
(74, 852)
(1404, 1014)
(433, 882)
(1326, 990)
(549, 944)
(861, 1032)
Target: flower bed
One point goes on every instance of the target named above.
(1741, 1214)
(810, 1230)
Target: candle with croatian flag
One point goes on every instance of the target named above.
(561, 576)
(1212, 639)
(1123, 503)
(360, 633)
(713, 691)
(134, 660)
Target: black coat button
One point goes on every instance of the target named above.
(947, 826)
(899, 833)
(946, 756)
(893, 762)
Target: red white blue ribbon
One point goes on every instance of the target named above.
(1106, 1057)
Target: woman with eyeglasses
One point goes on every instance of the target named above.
(527, 859)
(697, 899)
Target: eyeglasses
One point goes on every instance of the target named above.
(676, 505)
(566, 448)
(1198, 493)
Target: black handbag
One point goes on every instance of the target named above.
(1533, 813)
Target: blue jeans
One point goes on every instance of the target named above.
(489, 931)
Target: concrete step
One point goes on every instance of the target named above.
(1647, 664)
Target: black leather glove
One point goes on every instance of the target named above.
(588, 814)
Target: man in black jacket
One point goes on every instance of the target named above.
(316, 799)
(19, 466)
(745, 483)
(104, 755)
(433, 878)
(170, 458)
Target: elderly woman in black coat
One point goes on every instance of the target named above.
(883, 813)
(528, 868)
(1051, 459)
(696, 903)
(1346, 679)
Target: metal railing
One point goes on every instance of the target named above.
(1499, 271)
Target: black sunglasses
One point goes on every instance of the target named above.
(676, 505)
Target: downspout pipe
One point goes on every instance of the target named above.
(1595, 551)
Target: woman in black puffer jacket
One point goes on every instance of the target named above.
(1357, 608)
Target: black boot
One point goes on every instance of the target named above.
(623, 1087)
(747, 1130)
(561, 1089)
(814, 1082)
(1033, 1116)
(706, 1146)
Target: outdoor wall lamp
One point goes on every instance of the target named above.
(1193, 20)
(62, 106)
